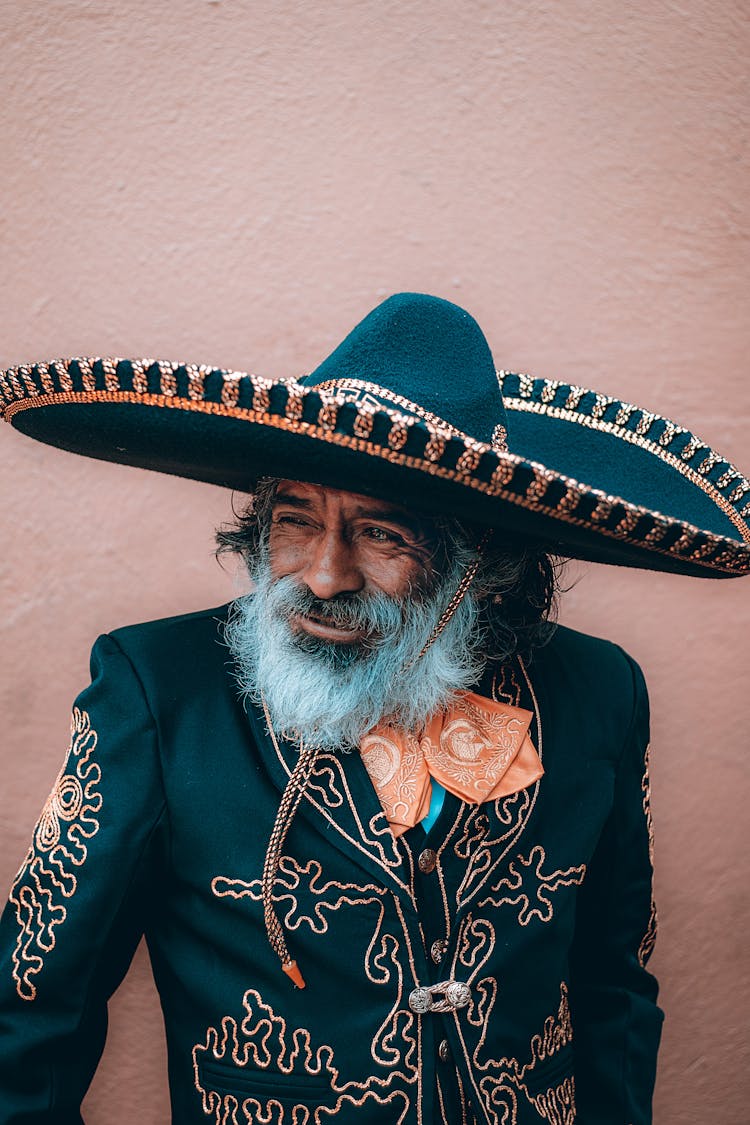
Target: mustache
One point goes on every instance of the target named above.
(376, 614)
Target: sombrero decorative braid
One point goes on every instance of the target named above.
(409, 407)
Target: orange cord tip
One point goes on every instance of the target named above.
(292, 971)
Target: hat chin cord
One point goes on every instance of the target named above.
(300, 775)
(461, 591)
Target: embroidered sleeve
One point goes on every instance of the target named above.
(616, 1021)
(76, 909)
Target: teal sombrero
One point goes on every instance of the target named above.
(410, 407)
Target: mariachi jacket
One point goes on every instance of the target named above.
(538, 906)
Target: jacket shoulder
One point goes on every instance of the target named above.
(570, 644)
(592, 672)
(176, 654)
(171, 630)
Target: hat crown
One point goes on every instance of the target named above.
(428, 351)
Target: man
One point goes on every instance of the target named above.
(387, 831)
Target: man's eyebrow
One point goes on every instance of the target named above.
(403, 519)
(293, 501)
(410, 523)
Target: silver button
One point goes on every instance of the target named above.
(420, 1000)
(437, 950)
(458, 994)
(427, 861)
(444, 1051)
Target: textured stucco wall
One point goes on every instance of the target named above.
(237, 184)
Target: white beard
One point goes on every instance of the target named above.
(329, 695)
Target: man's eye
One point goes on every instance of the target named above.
(380, 535)
(290, 521)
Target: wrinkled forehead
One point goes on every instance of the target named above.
(340, 504)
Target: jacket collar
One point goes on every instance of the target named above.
(341, 803)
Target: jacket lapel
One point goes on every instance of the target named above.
(507, 817)
(340, 803)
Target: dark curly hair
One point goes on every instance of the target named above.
(516, 586)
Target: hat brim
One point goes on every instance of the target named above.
(585, 476)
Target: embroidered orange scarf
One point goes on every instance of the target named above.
(478, 750)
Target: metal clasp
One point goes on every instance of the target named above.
(445, 996)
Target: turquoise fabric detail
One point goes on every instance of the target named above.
(436, 804)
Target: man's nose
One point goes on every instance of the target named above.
(332, 568)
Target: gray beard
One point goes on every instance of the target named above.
(330, 695)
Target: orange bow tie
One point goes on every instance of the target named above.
(478, 750)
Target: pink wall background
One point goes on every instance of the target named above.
(238, 184)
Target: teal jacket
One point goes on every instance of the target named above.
(540, 903)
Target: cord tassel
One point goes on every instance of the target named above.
(292, 971)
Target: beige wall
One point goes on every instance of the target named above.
(237, 183)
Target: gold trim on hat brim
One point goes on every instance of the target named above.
(733, 558)
(634, 438)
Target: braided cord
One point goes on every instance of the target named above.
(460, 593)
(288, 805)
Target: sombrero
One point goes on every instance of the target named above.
(410, 407)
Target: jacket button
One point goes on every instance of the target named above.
(458, 994)
(444, 1051)
(427, 861)
(437, 950)
(420, 1000)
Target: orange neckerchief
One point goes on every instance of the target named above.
(478, 750)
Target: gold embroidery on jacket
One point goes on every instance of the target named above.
(285, 1067)
(46, 878)
(506, 686)
(475, 828)
(648, 940)
(500, 1084)
(328, 792)
(395, 1041)
(557, 1103)
(556, 1034)
(512, 813)
(291, 877)
(464, 1107)
(528, 888)
(441, 1102)
(474, 947)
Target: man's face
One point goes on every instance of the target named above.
(348, 591)
(338, 543)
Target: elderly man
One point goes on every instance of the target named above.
(386, 829)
